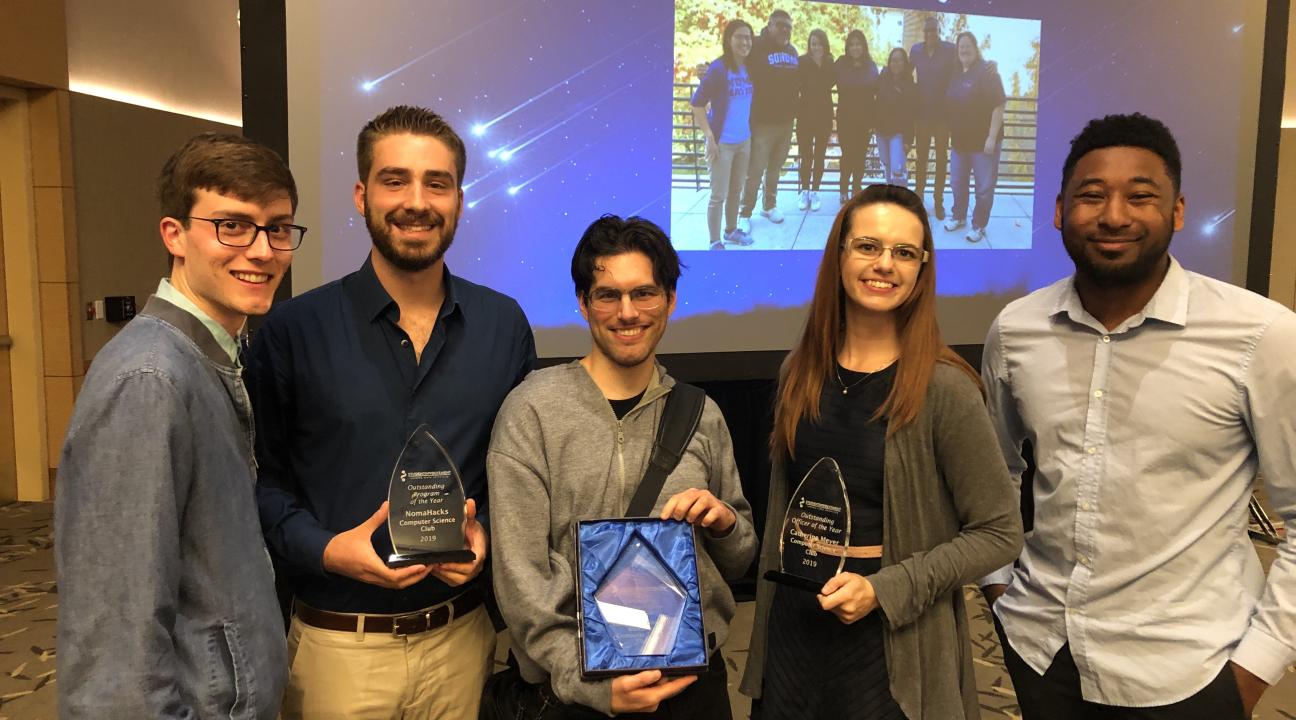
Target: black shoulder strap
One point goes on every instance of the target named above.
(678, 423)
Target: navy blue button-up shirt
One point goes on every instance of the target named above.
(337, 391)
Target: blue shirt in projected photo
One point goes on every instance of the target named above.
(737, 127)
(729, 95)
(972, 97)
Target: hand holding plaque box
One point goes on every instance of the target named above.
(815, 538)
(426, 505)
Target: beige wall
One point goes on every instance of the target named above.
(117, 152)
(1282, 275)
(39, 243)
(33, 43)
(177, 55)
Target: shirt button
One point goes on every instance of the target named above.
(1097, 393)
(404, 342)
(1085, 506)
(1106, 338)
(1083, 560)
(1091, 450)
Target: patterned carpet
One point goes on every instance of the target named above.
(29, 607)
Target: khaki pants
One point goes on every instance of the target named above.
(435, 674)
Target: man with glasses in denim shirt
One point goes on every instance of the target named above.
(341, 377)
(572, 443)
(167, 602)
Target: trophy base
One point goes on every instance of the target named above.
(397, 560)
(794, 581)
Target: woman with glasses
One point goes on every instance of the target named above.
(726, 89)
(871, 385)
(975, 106)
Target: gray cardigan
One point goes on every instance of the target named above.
(949, 516)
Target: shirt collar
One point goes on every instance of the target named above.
(227, 342)
(373, 299)
(1169, 304)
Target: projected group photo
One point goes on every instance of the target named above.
(783, 110)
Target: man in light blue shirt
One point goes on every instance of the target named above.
(167, 606)
(1152, 396)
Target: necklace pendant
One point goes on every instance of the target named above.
(845, 391)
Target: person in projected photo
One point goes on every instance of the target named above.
(975, 107)
(773, 66)
(340, 378)
(814, 116)
(935, 62)
(572, 443)
(897, 113)
(722, 109)
(1153, 396)
(871, 384)
(856, 90)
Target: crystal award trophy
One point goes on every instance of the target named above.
(816, 530)
(638, 604)
(425, 511)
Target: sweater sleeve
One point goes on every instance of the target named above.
(990, 529)
(534, 581)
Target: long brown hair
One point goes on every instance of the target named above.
(811, 361)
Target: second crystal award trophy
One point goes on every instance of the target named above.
(815, 538)
(425, 512)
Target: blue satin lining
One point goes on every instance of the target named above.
(600, 545)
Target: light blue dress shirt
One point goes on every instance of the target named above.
(1147, 439)
(228, 342)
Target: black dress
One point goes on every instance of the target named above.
(816, 667)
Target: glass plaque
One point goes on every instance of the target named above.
(638, 597)
(816, 530)
(641, 601)
(426, 505)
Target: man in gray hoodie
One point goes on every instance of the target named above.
(571, 443)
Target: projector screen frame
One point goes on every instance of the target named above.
(264, 52)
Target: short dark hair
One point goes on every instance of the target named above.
(226, 164)
(1134, 130)
(412, 120)
(612, 235)
(779, 13)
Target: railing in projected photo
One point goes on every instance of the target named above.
(1016, 161)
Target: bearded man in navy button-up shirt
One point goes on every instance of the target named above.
(341, 376)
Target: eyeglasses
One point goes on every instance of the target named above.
(647, 297)
(868, 248)
(243, 233)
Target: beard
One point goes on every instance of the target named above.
(1106, 274)
(410, 261)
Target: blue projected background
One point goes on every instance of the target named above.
(566, 110)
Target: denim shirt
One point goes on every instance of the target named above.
(167, 603)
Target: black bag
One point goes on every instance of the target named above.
(506, 695)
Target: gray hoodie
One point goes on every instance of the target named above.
(558, 454)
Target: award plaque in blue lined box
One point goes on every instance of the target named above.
(639, 605)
